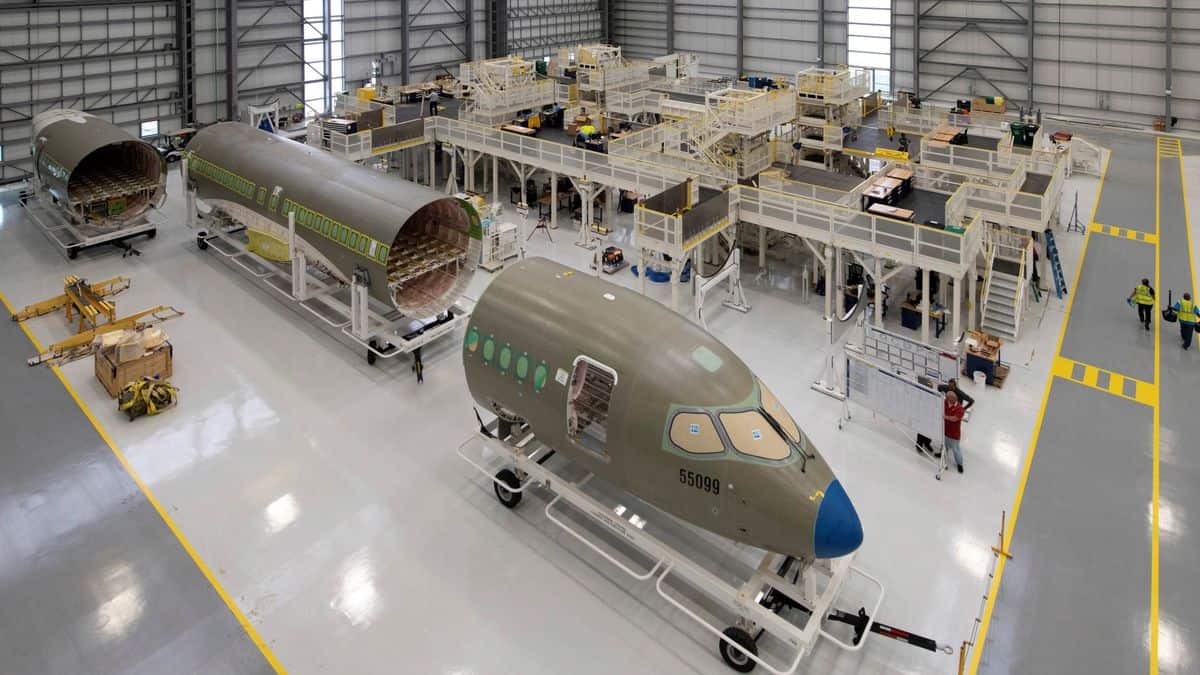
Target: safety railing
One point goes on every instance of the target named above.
(662, 144)
(999, 552)
(524, 96)
(1086, 157)
(832, 85)
(637, 102)
(931, 116)
(350, 105)
(857, 230)
(774, 179)
(692, 86)
(682, 110)
(623, 172)
(965, 157)
(657, 230)
(566, 93)
(354, 147)
(749, 113)
(989, 261)
(610, 77)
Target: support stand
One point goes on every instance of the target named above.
(1075, 224)
(735, 297)
(752, 596)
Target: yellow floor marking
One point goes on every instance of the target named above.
(1126, 233)
(994, 589)
(204, 569)
(1154, 585)
(1144, 392)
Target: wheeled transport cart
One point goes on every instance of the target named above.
(382, 331)
(762, 608)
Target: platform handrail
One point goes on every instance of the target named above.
(622, 172)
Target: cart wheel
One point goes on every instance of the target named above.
(150, 234)
(371, 352)
(201, 241)
(734, 658)
(507, 497)
(73, 252)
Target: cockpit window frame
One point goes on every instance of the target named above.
(716, 427)
(767, 427)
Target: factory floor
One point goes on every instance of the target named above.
(325, 497)
(1104, 568)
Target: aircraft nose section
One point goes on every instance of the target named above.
(837, 531)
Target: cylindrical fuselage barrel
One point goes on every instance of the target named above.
(416, 247)
(95, 171)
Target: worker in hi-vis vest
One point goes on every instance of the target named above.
(1143, 297)
(1185, 311)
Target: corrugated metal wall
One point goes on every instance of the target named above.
(118, 60)
(778, 37)
(1104, 59)
(1098, 59)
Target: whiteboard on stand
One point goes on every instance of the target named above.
(901, 400)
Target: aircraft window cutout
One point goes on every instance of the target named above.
(752, 434)
(775, 409)
(588, 400)
(695, 432)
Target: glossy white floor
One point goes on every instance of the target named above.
(327, 497)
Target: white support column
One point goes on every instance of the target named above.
(432, 164)
(828, 282)
(553, 201)
(189, 196)
(839, 269)
(925, 305)
(762, 248)
(299, 262)
(610, 207)
(878, 292)
(955, 317)
(676, 273)
(971, 276)
(641, 270)
(495, 179)
(452, 180)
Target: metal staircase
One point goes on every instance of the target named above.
(1002, 309)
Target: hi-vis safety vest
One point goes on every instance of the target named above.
(1187, 311)
(1141, 295)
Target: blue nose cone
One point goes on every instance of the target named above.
(838, 530)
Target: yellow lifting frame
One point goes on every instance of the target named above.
(83, 344)
(80, 297)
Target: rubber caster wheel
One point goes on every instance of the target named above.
(150, 234)
(73, 253)
(371, 353)
(730, 654)
(201, 242)
(507, 497)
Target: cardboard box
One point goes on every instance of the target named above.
(114, 374)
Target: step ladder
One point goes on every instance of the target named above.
(1060, 282)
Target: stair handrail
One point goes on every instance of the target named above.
(1022, 287)
(987, 274)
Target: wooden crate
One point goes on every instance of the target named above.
(113, 375)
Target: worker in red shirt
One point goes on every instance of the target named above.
(953, 413)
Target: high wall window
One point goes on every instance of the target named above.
(324, 54)
(870, 39)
